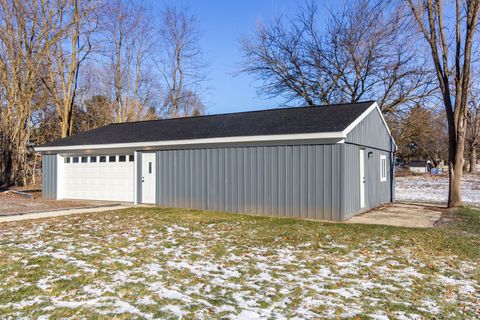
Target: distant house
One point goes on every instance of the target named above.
(420, 166)
(327, 163)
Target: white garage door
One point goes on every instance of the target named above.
(108, 177)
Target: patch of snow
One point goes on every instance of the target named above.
(379, 316)
(429, 306)
(225, 308)
(261, 282)
(176, 310)
(44, 284)
(147, 300)
(171, 294)
(248, 315)
(122, 307)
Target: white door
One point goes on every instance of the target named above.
(362, 178)
(106, 177)
(148, 177)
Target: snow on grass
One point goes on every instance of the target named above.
(434, 189)
(150, 265)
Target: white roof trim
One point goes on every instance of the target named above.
(279, 137)
(340, 135)
(374, 106)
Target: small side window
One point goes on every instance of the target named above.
(149, 167)
(66, 159)
(84, 159)
(131, 158)
(93, 159)
(122, 158)
(75, 159)
(383, 168)
(112, 158)
(103, 159)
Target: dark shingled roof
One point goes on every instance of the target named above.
(331, 118)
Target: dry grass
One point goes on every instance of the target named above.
(166, 263)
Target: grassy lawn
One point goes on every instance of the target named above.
(169, 263)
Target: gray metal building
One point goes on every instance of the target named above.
(328, 162)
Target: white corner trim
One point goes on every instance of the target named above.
(60, 176)
(151, 144)
(135, 178)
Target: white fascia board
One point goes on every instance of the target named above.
(240, 139)
(373, 107)
(135, 177)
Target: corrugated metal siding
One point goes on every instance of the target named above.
(351, 189)
(49, 176)
(289, 181)
(371, 132)
(371, 135)
(376, 191)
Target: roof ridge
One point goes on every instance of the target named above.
(243, 112)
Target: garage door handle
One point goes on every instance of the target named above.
(143, 179)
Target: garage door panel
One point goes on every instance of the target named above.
(99, 181)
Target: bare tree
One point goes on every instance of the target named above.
(360, 55)
(191, 104)
(24, 40)
(181, 62)
(453, 69)
(129, 39)
(73, 25)
(473, 129)
(424, 128)
(98, 111)
(45, 125)
(368, 56)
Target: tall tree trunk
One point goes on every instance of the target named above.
(455, 170)
(456, 162)
(429, 17)
(8, 167)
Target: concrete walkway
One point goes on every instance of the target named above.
(58, 213)
(397, 214)
(411, 215)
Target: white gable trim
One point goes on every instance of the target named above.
(355, 123)
(264, 138)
